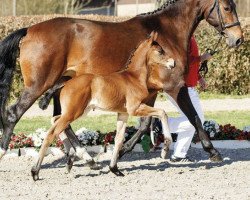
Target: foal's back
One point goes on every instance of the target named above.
(110, 92)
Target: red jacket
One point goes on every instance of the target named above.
(193, 75)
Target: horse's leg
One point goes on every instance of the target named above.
(15, 112)
(184, 102)
(144, 128)
(119, 138)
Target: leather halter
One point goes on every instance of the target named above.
(223, 25)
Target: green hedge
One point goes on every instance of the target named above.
(229, 70)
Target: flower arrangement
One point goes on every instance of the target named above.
(224, 132)
(20, 140)
(211, 128)
(246, 129)
(85, 136)
(89, 137)
(38, 137)
(230, 132)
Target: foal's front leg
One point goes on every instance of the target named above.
(145, 110)
(122, 119)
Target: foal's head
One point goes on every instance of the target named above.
(150, 53)
(160, 67)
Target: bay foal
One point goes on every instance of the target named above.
(123, 92)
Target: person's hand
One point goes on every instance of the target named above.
(203, 83)
(205, 56)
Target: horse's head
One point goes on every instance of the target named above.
(222, 15)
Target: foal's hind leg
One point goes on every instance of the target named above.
(46, 143)
(55, 130)
(119, 138)
(188, 109)
(71, 143)
(68, 137)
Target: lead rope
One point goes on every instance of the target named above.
(203, 66)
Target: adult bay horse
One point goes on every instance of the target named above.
(50, 48)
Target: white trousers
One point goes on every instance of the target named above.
(182, 126)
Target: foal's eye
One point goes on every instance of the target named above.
(228, 9)
(161, 52)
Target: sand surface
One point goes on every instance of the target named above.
(146, 177)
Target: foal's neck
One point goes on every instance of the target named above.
(136, 66)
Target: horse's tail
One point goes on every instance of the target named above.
(9, 50)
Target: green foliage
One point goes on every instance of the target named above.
(107, 123)
(146, 143)
(229, 70)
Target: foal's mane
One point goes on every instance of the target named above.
(163, 7)
(129, 61)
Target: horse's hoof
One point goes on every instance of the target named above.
(216, 157)
(116, 171)
(34, 174)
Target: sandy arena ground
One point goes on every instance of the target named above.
(146, 177)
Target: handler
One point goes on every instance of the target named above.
(181, 124)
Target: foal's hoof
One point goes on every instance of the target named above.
(116, 171)
(164, 154)
(69, 165)
(34, 174)
(216, 157)
(93, 165)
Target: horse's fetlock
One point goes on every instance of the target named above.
(11, 116)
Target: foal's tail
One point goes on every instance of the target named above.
(9, 49)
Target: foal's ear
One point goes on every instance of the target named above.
(153, 35)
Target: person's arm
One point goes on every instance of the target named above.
(202, 82)
(205, 56)
(199, 59)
